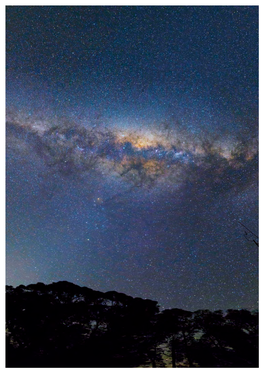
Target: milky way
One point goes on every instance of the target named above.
(139, 158)
(132, 151)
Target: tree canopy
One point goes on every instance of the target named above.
(66, 325)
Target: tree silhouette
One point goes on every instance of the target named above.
(249, 235)
(65, 325)
(179, 330)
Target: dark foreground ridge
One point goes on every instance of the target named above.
(65, 325)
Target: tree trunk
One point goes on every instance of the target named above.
(187, 350)
(173, 354)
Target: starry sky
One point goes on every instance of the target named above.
(132, 151)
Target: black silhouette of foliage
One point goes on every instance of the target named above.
(227, 341)
(65, 325)
(179, 331)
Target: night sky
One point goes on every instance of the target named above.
(132, 151)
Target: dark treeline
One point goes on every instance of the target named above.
(65, 325)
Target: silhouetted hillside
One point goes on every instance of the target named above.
(65, 325)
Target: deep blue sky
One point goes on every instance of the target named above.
(132, 151)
